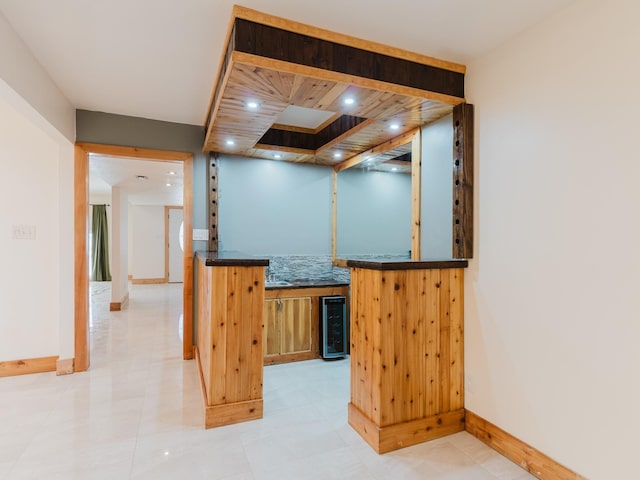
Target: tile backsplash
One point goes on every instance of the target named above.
(305, 267)
(316, 267)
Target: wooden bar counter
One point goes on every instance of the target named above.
(407, 373)
(230, 303)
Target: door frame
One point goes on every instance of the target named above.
(81, 234)
(167, 210)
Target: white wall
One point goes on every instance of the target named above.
(374, 213)
(552, 341)
(36, 278)
(436, 191)
(24, 74)
(270, 208)
(148, 242)
(120, 245)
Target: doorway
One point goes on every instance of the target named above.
(81, 208)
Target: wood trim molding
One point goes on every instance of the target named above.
(148, 281)
(416, 195)
(328, 35)
(28, 365)
(146, 153)
(187, 289)
(226, 414)
(334, 215)
(117, 306)
(81, 208)
(530, 459)
(81, 261)
(64, 366)
(400, 435)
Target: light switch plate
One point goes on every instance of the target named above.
(24, 232)
(200, 234)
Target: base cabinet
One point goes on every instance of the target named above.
(291, 320)
(287, 328)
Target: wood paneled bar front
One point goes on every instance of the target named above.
(407, 377)
(229, 355)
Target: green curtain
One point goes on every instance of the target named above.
(100, 245)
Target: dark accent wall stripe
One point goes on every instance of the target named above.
(270, 42)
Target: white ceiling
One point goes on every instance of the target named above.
(158, 58)
(106, 172)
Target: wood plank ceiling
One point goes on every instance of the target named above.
(271, 64)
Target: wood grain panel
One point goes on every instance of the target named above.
(296, 325)
(463, 181)
(230, 340)
(271, 333)
(27, 366)
(519, 452)
(406, 347)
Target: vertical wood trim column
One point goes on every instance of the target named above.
(416, 192)
(212, 175)
(81, 268)
(188, 341)
(334, 215)
(462, 246)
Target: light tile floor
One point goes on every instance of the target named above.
(137, 415)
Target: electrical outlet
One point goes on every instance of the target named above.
(24, 232)
(469, 383)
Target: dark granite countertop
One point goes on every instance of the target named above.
(407, 265)
(308, 283)
(231, 259)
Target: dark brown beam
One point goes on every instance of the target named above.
(278, 44)
(212, 176)
(463, 181)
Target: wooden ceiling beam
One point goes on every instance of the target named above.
(342, 39)
(377, 150)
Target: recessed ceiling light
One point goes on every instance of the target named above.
(230, 142)
(394, 126)
(172, 173)
(349, 101)
(337, 155)
(168, 184)
(142, 177)
(252, 104)
(277, 156)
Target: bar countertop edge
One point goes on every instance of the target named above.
(407, 265)
(230, 259)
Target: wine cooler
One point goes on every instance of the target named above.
(333, 327)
